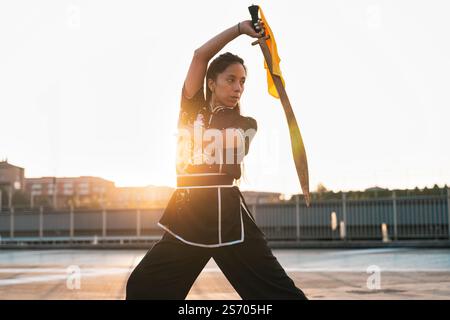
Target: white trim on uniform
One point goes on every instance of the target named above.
(242, 221)
(218, 245)
(219, 212)
(219, 209)
(248, 213)
(201, 244)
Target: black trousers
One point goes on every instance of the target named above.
(170, 267)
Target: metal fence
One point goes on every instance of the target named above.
(388, 219)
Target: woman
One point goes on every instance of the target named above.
(207, 215)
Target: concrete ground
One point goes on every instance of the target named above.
(389, 273)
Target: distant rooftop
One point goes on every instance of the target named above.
(4, 163)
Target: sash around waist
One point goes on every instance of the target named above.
(204, 180)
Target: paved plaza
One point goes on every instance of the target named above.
(388, 273)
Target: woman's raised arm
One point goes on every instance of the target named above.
(202, 55)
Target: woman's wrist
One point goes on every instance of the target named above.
(239, 28)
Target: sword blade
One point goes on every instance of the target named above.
(297, 145)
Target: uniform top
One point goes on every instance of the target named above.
(196, 111)
(209, 215)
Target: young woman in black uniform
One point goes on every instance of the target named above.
(207, 215)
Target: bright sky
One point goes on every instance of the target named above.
(93, 88)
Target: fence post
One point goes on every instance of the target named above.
(344, 214)
(138, 223)
(10, 197)
(41, 222)
(71, 221)
(448, 211)
(55, 190)
(103, 222)
(11, 222)
(297, 215)
(394, 203)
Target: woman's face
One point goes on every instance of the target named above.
(229, 85)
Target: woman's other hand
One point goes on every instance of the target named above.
(246, 27)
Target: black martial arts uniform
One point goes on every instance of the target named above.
(207, 217)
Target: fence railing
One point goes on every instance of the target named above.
(387, 219)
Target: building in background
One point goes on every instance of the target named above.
(11, 176)
(12, 181)
(79, 192)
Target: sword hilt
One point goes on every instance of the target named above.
(260, 40)
(254, 10)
